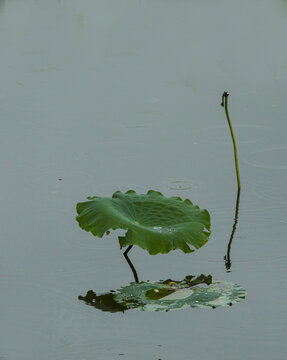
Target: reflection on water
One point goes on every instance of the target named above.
(227, 257)
(166, 295)
(104, 302)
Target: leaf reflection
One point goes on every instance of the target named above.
(201, 291)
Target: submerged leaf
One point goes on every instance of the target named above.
(153, 222)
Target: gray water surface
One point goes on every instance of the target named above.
(105, 95)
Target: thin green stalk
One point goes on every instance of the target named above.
(225, 105)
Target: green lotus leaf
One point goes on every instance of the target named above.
(153, 222)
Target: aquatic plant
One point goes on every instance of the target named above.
(224, 104)
(153, 222)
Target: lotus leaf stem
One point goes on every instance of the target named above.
(131, 264)
(225, 105)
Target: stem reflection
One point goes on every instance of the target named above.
(227, 257)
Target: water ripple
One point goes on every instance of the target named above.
(245, 134)
(272, 158)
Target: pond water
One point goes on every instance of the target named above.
(105, 95)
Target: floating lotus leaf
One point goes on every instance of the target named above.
(153, 222)
(200, 292)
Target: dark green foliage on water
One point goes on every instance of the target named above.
(153, 222)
